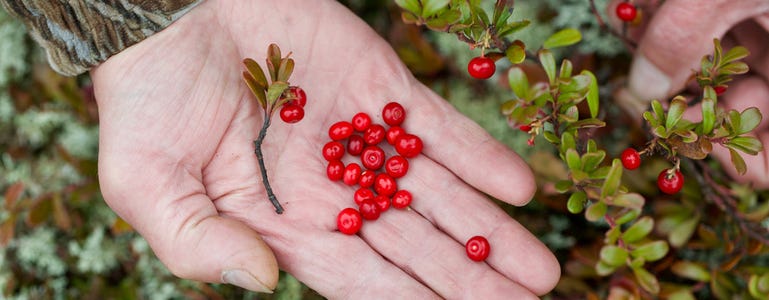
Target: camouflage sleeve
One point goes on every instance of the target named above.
(79, 34)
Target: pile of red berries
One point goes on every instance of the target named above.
(669, 181)
(377, 188)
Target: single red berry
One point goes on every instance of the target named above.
(719, 89)
(525, 128)
(402, 199)
(382, 202)
(631, 160)
(291, 113)
(385, 185)
(372, 157)
(481, 67)
(361, 121)
(335, 170)
(477, 248)
(374, 134)
(300, 97)
(363, 194)
(367, 178)
(626, 12)
(408, 145)
(396, 166)
(349, 221)
(355, 145)
(393, 114)
(369, 210)
(340, 130)
(333, 150)
(351, 174)
(393, 133)
(670, 183)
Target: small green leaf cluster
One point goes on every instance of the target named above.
(270, 95)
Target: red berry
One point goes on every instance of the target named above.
(408, 145)
(355, 145)
(333, 150)
(361, 121)
(340, 130)
(626, 12)
(300, 97)
(631, 160)
(349, 221)
(385, 185)
(719, 89)
(382, 202)
(335, 170)
(367, 178)
(372, 157)
(477, 248)
(481, 67)
(362, 194)
(369, 210)
(291, 113)
(670, 183)
(393, 114)
(525, 128)
(393, 133)
(351, 174)
(396, 166)
(374, 134)
(402, 199)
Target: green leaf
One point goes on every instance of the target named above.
(591, 160)
(613, 180)
(630, 200)
(273, 61)
(567, 142)
(411, 5)
(595, 211)
(592, 94)
(256, 89)
(516, 53)
(512, 27)
(647, 280)
(734, 54)
(604, 269)
(573, 160)
(683, 232)
(738, 162)
(735, 120)
(588, 123)
(518, 81)
(256, 73)
(285, 70)
(551, 137)
(639, 230)
(275, 91)
(651, 251)
(503, 9)
(613, 255)
(749, 120)
(747, 144)
(565, 37)
(675, 112)
(566, 69)
(691, 270)
(576, 202)
(734, 68)
(627, 217)
(563, 186)
(547, 60)
(432, 7)
(444, 20)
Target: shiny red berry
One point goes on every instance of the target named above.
(630, 158)
(393, 133)
(385, 185)
(361, 121)
(670, 183)
(333, 150)
(396, 166)
(340, 130)
(393, 114)
(525, 128)
(367, 178)
(335, 170)
(300, 97)
(626, 12)
(374, 134)
(355, 145)
(382, 202)
(402, 199)
(351, 174)
(719, 89)
(369, 210)
(291, 113)
(362, 194)
(349, 221)
(408, 145)
(372, 157)
(477, 248)
(481, 67)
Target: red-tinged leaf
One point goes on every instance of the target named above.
(12, 195)
(120, 226)
(647, 280)
(256, 72)
(7, 230)
(40, 211)
(286, 69)
(60, 214)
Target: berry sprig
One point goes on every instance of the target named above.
(276, 94)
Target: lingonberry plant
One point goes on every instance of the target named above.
(277, 93)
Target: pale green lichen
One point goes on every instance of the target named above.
(96, 254)
(13, 49)
(37, 252)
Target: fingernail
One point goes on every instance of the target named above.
(244, 279)
(646, 81)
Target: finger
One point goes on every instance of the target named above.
(676, 40)
(172, 212)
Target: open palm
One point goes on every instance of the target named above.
(176, 161)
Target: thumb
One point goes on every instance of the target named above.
(679, 34)
(182, 225)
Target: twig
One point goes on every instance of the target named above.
(258, 150)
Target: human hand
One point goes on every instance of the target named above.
(673, 38)
(176, 161)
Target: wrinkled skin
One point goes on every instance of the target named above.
(176, 161)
